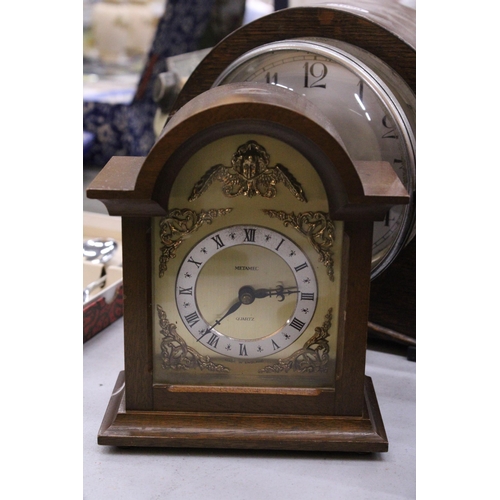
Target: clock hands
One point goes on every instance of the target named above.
(247, 295)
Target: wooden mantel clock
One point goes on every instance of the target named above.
(247, 258)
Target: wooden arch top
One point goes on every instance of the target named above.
(386, 31)
(140, 186)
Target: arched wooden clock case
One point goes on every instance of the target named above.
(257, 161)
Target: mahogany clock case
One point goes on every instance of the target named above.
(344, 417)
(146, 414)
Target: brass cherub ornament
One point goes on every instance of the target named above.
(249, 175)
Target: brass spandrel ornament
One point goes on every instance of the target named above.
(250, 174)
(178, 224)
(313, 357)
(176, 354)
(317, 228)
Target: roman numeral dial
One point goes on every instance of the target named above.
(246, 292)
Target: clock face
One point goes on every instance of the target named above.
(371, 107)
(246, 270)
(246, 292)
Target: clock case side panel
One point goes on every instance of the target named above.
(137, 318)
(387, 34)
(352, 335)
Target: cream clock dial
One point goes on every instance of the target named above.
(241, 317)
(371, 107)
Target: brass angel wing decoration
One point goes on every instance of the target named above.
(214, 173)
(285, 176)
(249, 175)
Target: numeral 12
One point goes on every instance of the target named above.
(315, 73)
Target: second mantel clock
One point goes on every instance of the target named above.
(246, 256)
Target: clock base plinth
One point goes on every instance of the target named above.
(242, 431)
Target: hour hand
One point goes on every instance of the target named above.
(280, 291)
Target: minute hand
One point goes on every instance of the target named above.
(231, 310)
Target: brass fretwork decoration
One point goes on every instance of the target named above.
(317, 227)
(249, 175)
(176, 354)
(177, 225)
(313, 357)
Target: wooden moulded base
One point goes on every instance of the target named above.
(242, 431)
